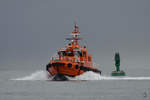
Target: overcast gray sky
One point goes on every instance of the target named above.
(32, 30)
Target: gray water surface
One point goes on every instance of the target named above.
(71, 90)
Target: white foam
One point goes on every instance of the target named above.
(94, 76)
(38, 75)
(43, 75)
(87, 76)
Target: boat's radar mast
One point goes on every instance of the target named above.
(75, 35)
(76, 30)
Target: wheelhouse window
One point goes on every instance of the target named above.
(77, 53)
(70, 53)
(62, 53)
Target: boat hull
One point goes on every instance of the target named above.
(60, 77)
(61, 69)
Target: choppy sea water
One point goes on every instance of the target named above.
(24, 85)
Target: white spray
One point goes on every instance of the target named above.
(43, 75)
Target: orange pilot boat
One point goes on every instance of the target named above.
(73, 60)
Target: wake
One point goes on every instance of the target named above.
(38, 75)
(43, 75)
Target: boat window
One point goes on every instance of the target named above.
(77, 53)
(62, 53)
(84, 54)
(70, 53)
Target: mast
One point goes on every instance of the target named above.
(75, 36)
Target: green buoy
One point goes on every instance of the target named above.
(117, 72)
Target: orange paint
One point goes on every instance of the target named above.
(72, 60)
